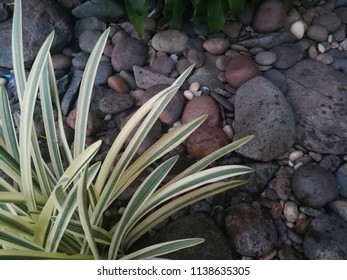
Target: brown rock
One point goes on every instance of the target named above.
(240, 70)
(162, 65)
(199, 106)
(205, 140)
(118, 84)
(276, 210)
(216, 46)
(270, 16)
(61, 61)
(301, 226)
(93, 124)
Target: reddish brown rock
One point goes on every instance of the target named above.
(270, 16)
(240, 70)
(205, 140)
(118, 84)
(199, 106)
(93, 124)
(301, 226)
(61, 61)
(216, 46)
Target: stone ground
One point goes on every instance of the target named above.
(276, 75)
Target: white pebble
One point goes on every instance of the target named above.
(108, 117)
(330, 38)
(345, 158)
(229, 131)
(321, 48)
(290, 163)
(290, 211)
(295, 155)
(188, 94)
(121, 210)
(298, 29)
(289, 224)
(334, 45)
(194, 86)
(197, 93)
(177, 124)
(3, 81)
(296, 166)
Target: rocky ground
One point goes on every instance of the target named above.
(276, 75)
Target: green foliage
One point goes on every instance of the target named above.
(57, 212)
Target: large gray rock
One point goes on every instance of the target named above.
(318, 95)
(40, 18)
(215, 247)
(262, 110)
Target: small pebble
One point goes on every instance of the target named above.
(309, 211)
(194, 87)
(290, 211)
(325, 58)
(315, 156)
(265, 58)
(188, 94)
(229, 131)
(295, 155)
(321, 48)
(298, 29)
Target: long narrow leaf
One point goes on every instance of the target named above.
(32, 255)
(15, 224)
(17, 242)
(27, 112)
(85, 93)
(162, 249)
(133, 211)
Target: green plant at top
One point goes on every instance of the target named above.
(212, 12)
(56, 213)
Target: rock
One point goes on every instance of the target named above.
(169, 41)
(106, 11)
(222, 62)
(341, 176)
(80, 60)
(270, 16)
(206, 75)
(325, 58)
(287, 252)
(88, 40)
(215, 247)
(321, 118)
(298, 29)
(173, 110)
(282, 184)
(265, 58)
(93, 123)
(301, 226)
(340, 208)
(341, 12)
(103, 72)
(277, 78)
(195, 43)
(145, 79)
(118, 84)
(257, 180)
(240, 70)
(314, 186)
(61, 62)
(114, 102)
(250, 230)
(330, 21)
(262, 110)
(196, 57)
(317, 33)
(287, 56)
(326, 238)
(162, 65)
(182, 65)
(232, 28)
(216, 45)
(330, 162)
(71, 94)
(206, 140)
(39, 18)
(199, 106)
(91, 23)
(290, 211)
(127, 53)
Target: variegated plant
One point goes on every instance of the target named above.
(56, 213)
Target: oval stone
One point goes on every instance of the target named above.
(169, 41)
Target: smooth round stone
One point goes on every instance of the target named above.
(317, 33)
(104, 71)
(182, 65)
(118, 84)
(330, 21)
(222, 62)
(265, 58)
(290, 211)
(80, 60)
(206, 140)
(127, 53)
(88, 40)
(341, 176)
(232, 28)
(326, 238)
(170, 41)
(295, 155)
(270, 16)
(199, 106)
(287, 56)
(61, 61)
(90, 23)
(196, 57)
(325, 58)
(298, 29)
(250, 229)
(312, 52)
(314, 186)
(162, 65)
(119, 36)
(240, 70)
(216, 46)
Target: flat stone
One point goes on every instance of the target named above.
(169, 41)
(317, 94)
(115, 102)
(71, 94)
(287, 56)
(145, 78)
(262, 110)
